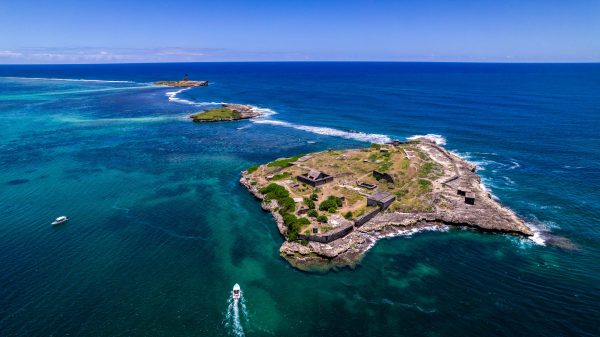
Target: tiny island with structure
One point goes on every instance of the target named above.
(226, 112)
(332, 206)
(185, 82)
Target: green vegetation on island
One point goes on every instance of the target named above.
(216, 114)
(332, 205)
(226, 112)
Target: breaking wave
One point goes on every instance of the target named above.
(172, 96)
(266, 113)
(438, 139)
(326, 131)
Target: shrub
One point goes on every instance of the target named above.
(303, 221)
(332, 209)
(293, 226)
(252, 169)
(329, 203)
(322, 218)
(348, 215)
(313, 213)
(376, 146)
(274, 191)
(279, 193)
(309, 203)
(292, 235)
(289, 219)
(286, 204)
(314, 196)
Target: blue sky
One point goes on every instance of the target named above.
(428, 30)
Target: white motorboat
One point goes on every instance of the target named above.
(236, 293)
(59, 220)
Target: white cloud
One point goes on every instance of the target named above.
(102, 55)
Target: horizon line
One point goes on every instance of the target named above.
(306, 61)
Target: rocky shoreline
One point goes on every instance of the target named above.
(451, 210)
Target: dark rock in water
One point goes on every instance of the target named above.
(17, 181)
(560, 242)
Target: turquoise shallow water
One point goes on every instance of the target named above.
(161, 229)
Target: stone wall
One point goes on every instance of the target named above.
(366, 217)
(329, 236)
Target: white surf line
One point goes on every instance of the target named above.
(327, 131)
(538, 233)
(149, 119)
(68, 92)
(63, 79)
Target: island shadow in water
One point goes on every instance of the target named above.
(17, 182)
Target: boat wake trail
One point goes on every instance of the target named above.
(235, 314)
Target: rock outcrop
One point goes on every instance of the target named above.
(227, 112)
(183, 84)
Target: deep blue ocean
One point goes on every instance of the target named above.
(160, 229)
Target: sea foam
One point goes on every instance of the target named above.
(327, 131)
(438, 139)
(266, 113)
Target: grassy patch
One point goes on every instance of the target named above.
(284, 162)
(424, 186)
(252, 169)
(425, 169)
(385, 166)
(281, 176)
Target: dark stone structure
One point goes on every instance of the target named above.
(332, 235)
(385, 176)
(470, 199)
(315, 178)
(366, 185)
(461, 192)
(381, 199)
(366, 217)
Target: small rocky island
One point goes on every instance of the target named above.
(227, 112)
(333, 206)
(185, 82)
